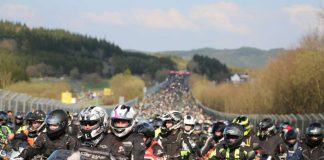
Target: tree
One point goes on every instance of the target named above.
(74, 73)
(5, 78)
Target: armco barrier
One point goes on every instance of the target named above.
(12, 101)
(300, 121)
(24, 103)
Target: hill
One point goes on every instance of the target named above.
(242, 57)
(39, 52)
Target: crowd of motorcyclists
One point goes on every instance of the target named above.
(167, 126)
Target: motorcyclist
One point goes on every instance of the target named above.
(36, 122)
(217, 136)
(245, 123)
(74, 127)
(95, 143)
(231, 147)
(291, 149)
(20, 129)
(55, 137)
(157, 124)
(175, 144)
(154, 150)
(5, 133)
(267, 141)
(313, 146)
(122, 122)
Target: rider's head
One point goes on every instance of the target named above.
(93, 122)
(122, 120)
(56, 123)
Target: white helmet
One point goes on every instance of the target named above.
(189, 120)
(96, 116)
(122, 112)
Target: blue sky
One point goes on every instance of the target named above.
(158, 25)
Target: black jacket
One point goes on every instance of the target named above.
(108, 148)
(46, 146)
(134, 146)
(316, 153)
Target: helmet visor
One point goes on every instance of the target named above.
(120, 123)
(89, 124)
(53, 120)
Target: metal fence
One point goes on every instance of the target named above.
(300, 121)
(12, 101)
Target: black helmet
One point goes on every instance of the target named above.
(290, 135)
(266, 128)
(314, 134)
(147, 130)
(218, 127)
(19, 118)
(56, 117)
(38, 116)
(233, 135)
(157, 122)
(3, 118)
(19, 115)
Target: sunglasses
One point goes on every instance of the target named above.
(90, 123)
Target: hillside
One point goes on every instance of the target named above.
(39, 52)
(241, 57)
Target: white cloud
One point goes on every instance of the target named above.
(221, 15)
(224, 16)
(16, 12)
(104, 17)
(301, 14)
(162, 19)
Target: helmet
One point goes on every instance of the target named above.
(284, 127)
(157, 122)
(29, 116)
(19, 118)
(314, 134)
(189, 120)
(266, 128)
(289, 136)
(147, 130)
(173, 116)
(233, 135)
(38, 116)
(95, 116)
(61, 154)
(207, 126)
(218, 127)
(3, 118)
(122, 112)
(56, 117)
(198, 127)
(244, 122)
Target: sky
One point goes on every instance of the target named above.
(160, 25)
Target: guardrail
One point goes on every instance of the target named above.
(12, 101)
(300, 121)
(24, 103)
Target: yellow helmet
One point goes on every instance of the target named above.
(244, 122)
